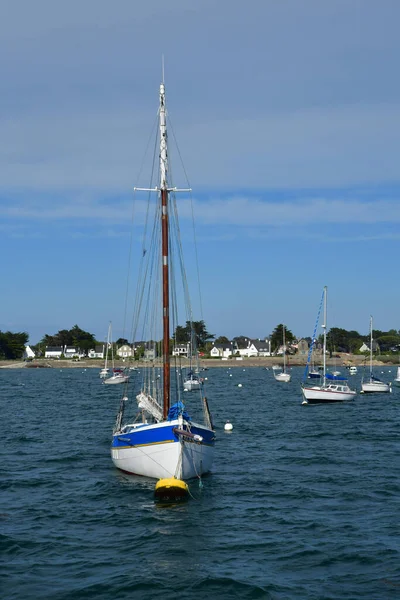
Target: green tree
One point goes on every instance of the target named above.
(277, 337)
(70, 337)
(222, 339)
(195, 332)
(12, 345)
(181, 335)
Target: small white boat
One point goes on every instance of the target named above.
(397, 379)
(104, 373)
(285, 377)
(192, 382)
(118, 376)
(373, 385)
(353, 370)
(282, 374)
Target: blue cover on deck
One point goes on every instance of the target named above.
(178, 409)
(335, 377)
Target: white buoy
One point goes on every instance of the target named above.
(239, 385)
(230, 374)
(205, 378)
(228, 426)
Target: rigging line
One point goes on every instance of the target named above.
(132, 220)
(192, 211)
(174, 317)
(313, 338)
(143, 278)
(181, 261)
(144, 236)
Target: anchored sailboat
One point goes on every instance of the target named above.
(117, 375)
(163, 441)
(333, 388)
(373, 384)
(282, 375)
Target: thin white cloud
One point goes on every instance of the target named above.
(237, 211)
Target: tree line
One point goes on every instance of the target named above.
(12, 345)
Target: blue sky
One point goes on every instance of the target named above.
(287, 116)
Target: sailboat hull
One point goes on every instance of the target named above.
(373, 387)
(286, 377)
(321, 395)
(191, 384)
(115, 379)
(158, 452)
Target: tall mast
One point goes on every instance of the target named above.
(370, 346)
(163, 190)
(324, 328)
(165, 250)
(284, 351)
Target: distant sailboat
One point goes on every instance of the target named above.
(372, 384)
(282, 375)
(105, 371)
(397, 379)
(118, 375)
(333, 388)
(313, 373)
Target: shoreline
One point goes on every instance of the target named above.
(264, 362)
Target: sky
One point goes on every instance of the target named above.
(287, 117)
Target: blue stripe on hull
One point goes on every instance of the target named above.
(162, 434)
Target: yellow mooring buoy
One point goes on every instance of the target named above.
(171, 490)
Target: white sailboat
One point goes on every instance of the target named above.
(333, 388)
(105, 371)
(163, 441)
(372, 384)
(192, 380)
(281, 374)
(117, 375)
(397, 379)
(313, 373)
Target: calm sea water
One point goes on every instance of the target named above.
(303, 501)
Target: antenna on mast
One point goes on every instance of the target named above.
(162, 63)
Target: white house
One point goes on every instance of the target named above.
(53, 351)
(150, 354)
(73, 352)
(365, 347)
(97, 352)
(223, 350)
(181, 350)
(125, 351)
(28, 352)
(256, 348)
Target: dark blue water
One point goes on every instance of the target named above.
(303, 501)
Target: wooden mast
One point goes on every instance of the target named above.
(165, 251)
